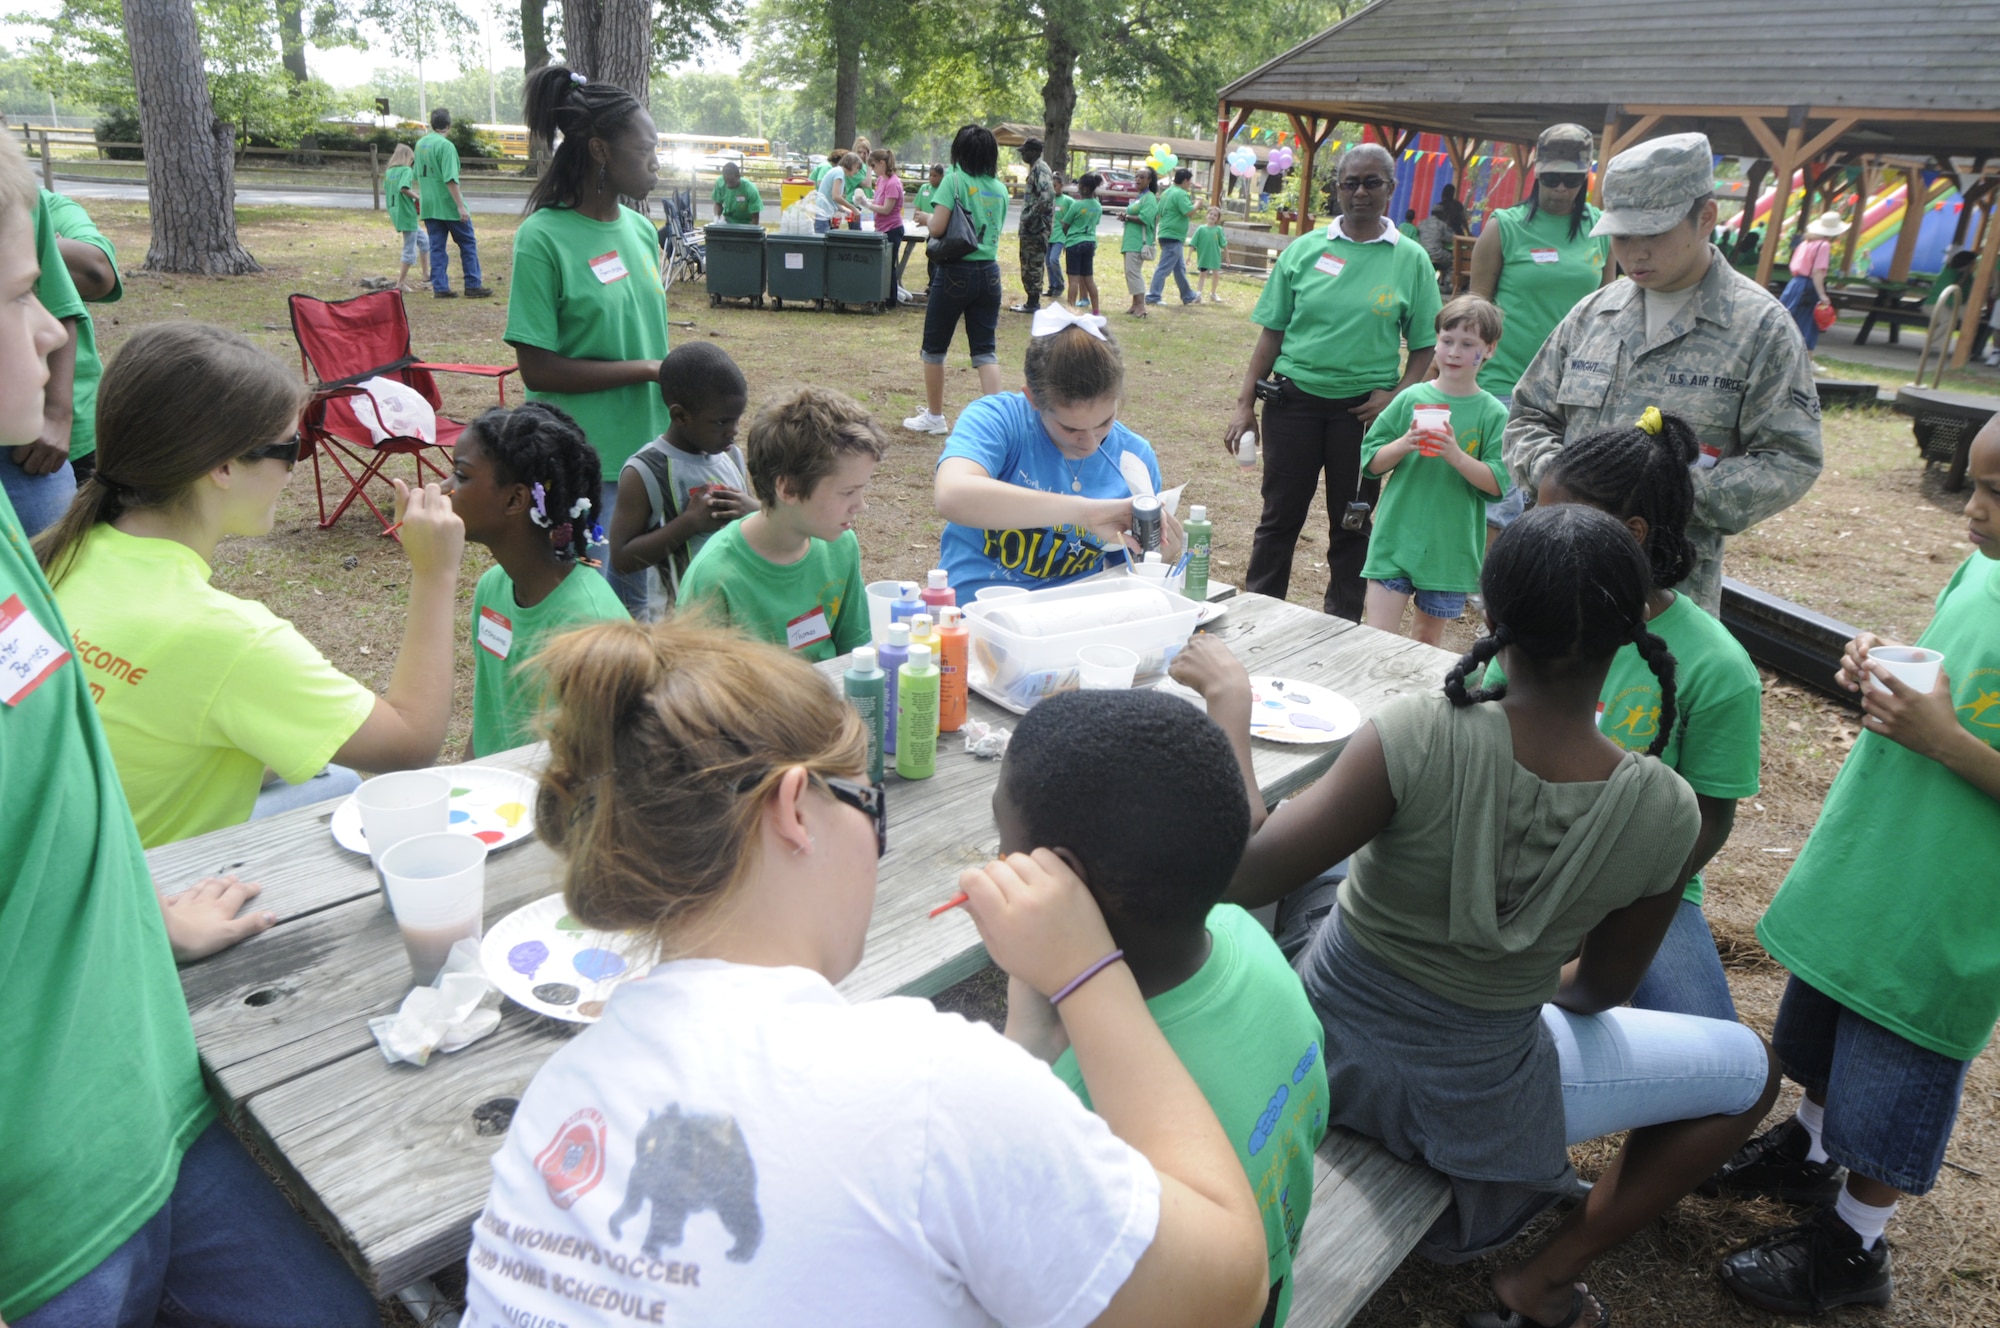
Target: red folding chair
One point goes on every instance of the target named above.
(342, 343)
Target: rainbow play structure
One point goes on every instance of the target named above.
(1882, 223)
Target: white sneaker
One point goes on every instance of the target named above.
(925, 422)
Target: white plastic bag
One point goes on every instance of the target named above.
(399, 411)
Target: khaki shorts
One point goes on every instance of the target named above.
(1134, 285)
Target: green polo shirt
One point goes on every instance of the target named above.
(1346, 308)
(437, 169)
(742, 205)
(1175, 207)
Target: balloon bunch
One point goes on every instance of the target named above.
(1279, 160)
(1242, 161)
(1162, 159)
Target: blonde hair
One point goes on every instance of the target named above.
(403, 156)
(665, 742)
(802, 437)
(1475, 312)
(18, 191)
(1214, 215)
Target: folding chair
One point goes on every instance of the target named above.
(343, 343)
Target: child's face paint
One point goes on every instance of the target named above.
(1460, 348)
(28, 333)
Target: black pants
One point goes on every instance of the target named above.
(1303, 436)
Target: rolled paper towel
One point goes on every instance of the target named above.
(1028, 616)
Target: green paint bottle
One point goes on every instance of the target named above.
(1200, 536)
(917, 715)
(865, 692)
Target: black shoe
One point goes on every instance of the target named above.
(444, 294)
(1809, 1269)
(478, 292)
(1774, 1165)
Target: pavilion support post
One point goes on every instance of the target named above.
(1782, 165)
(1219, 177)
(1607, 148)
(1916, 200)
(1869, 175)
(1982, 284)
(1309, 135)
(1751, 184)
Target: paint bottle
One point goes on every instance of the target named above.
(938, 593)
(907, 602)
(954, 645)
(865, 688)
(917, 716)
(1200, 536)
(1146, 522)
(892, 653)
(923, 632)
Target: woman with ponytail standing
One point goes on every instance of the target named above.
(588, 316)
(1496, 833)
(203, 694)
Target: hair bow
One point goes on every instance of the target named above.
(539, 513)
(577, 78)
(1649, 421)
(578, 508)
(1054, 316)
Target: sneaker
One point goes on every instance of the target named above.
(444, 294)
(1811, 1268)
(1774, 1165)
(1025, 307)
(925, 422)
(478, 292)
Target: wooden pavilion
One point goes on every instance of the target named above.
(1888, 88)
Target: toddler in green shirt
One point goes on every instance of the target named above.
(1208, 242)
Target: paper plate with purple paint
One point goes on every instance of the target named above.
(1287, 710)
(497, 806)
(545, 959)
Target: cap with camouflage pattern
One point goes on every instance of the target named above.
(1564, 147)
(1648, 187)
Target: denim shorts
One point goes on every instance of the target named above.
(409, 248)
(967, 287)
(1890, 1104)
(1625, 1069)
(1445, 604)
(1080, 260)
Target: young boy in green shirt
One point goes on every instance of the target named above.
(1430, 532)
(1208, 242)
(790, 573)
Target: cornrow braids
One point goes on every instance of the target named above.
(1661, 661)
(540, 445)
(1632, 472)
(560, 101)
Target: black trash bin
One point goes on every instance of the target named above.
(860, 270)
(735, 263)
(795, 269)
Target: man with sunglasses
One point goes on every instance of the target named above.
(1683, 331)
(1336, 313)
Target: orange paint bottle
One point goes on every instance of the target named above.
(954, 642)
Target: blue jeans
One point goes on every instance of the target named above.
(1686, 976)
(224, 1251)
(1173, 258)
(1626, 1069)
(38, 499)
(1800, 298)
(468, 253)
(335, 781)
(1054, 263)
(631, 587)
(967, 287)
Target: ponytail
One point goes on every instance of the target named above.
(1640, 470)
(1475, 659)
(560, 101)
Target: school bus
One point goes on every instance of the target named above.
(511, 140)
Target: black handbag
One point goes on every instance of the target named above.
(960, 237)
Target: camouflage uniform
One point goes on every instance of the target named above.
(1730, 363)
(1038, 205)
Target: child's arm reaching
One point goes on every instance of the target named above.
(1208, 667)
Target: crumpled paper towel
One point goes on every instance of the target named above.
(455, 1011)
(986, 740)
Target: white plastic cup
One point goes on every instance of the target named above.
(437, 890)
(991, 593)
(401, 806)
(1436, 419)
(1106, 668)
(1246, 448)
(1917, 667)
(881, 594)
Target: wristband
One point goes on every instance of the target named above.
(1087, 975)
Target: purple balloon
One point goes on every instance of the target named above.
(526, 957)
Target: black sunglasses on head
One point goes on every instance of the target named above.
(287, 450)
(869, 798)
(1367, 184)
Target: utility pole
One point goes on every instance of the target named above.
(492, 93)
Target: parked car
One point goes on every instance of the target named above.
(1120, 187)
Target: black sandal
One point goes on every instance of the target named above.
(1506, 1318)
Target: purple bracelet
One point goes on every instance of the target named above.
(1087, 975)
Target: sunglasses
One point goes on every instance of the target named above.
(1563, 181)
(287, 450)
(869, 798)
(1368, 184)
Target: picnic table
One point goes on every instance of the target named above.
(1944, 424)
(1886, 303)
(393, 1160)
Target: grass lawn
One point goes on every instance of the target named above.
(1871, 544)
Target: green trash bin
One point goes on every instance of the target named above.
(795, 269)
(860, 270)
(735, 263)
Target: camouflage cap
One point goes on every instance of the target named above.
(1564, 147)
(1648, 187)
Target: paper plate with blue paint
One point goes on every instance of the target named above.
(546, 960)
(492, 805)
(1287, 710)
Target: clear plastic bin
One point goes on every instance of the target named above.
(1015, 668)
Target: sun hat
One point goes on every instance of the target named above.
(1827, 225)
(1648, 187)
(1564, 147)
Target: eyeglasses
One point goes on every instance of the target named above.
(1563, 181)
(869, 798)
(287, 450)
(1368, 184)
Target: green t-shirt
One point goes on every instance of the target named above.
(816, 605)
(924, 205)
(64, 218)
(402, 212)
(986, 199)
(101, 1093)
(1208, 242)
(437, 167)
(1408, 228)
(1346, 308)
(1175, 207)
(590, 290)
(1431, 524)
(818, 173)
(1543, 273)
(1140, 214)
(1890, 908)
(1249, 1039)
(1079, 223)
(1058, 218)
(742, 205)
(506, 636)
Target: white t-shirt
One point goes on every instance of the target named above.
(1662, 307)
(734, 1145)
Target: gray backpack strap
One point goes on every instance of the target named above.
(656, 474)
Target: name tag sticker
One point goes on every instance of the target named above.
(609, 268)
(1544, 255)
(28, 654)
(1709, 456)
(1330, 265)
(496, 634)
(795, 262)
(807, 629)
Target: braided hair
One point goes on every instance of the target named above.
(558, 100)
(540, 445)
(1640, 470)
(1566, 584)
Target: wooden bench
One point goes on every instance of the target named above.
(1368, 1212)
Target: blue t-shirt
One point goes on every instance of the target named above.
(1004, 434)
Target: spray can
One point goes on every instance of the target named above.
(938, 593)
(1246, 448)
(865, 688)
(906, 602)
(892, 653)
(917, 716)
(1200, 536)
(954, 644)
(1146, 522)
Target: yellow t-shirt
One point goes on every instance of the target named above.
(198, 690)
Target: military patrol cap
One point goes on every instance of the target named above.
(1648, 187)
(1564, 147)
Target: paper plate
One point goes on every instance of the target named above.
(1209, 611)
(497, 806)
(1286, 710)
(543, 959)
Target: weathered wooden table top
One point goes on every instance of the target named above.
(394, 1158)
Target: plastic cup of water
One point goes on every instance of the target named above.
(1106, 668)
(881, 594)
(1915, 666)
(401, 806)
(437, 890)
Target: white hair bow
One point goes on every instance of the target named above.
(1054, 316)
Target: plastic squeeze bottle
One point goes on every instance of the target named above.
(938, 594)
(1200, 536)
(1152, 568)
(892, 653)
(923, 632)
(917, 716)
(954, 644)
(865, 688)
(906, 602)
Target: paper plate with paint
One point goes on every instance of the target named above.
(546, 960)
(497, 806)
(1286, 710)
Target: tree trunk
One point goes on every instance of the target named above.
(611, 41)
(292, 38)
(191, 170)
(1059, 100)
(534, 34)
(846, 74)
